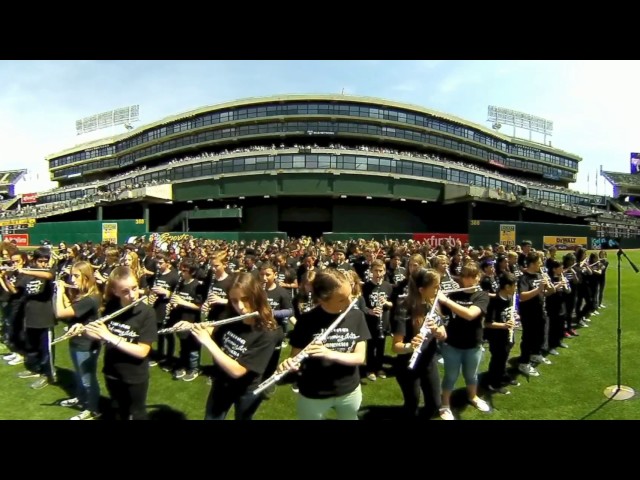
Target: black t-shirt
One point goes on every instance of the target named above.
(555, 303)
(344, 267)
(375, 295)
(190, 292)
(604, 264)
(402, 324)
(15, 307)
(463, 333)
(38, 307)
(137, 325)
(249, 347)
(534, 307)
(286, 275)
(499, 311)
(302, 304)
(489, 284)
(396, 276)
(85, 310)
(221, 289)
(515, 269)
(361, 266)
(151, 264)
(447, 283)
(279, 299)
(169, 281)
(321, 378)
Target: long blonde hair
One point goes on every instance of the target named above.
(87, 285)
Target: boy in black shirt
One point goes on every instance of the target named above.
(37, 286)
(498, 324)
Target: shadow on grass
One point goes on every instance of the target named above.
(165, 413)
(65, 379)
(381, 412)
(598, 408)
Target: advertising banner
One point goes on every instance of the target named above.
(508, 235)
(436, 239)
(110, 232)
(29, 198)
(21, 239)
(564, 243)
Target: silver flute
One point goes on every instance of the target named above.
(208, 324)
(475, 288)
(106, 318)
(276, 377)
(425, 331)
(512, 318)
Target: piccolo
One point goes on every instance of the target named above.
(425, 331)
(276, 377)
(106, 318)
(209, 324)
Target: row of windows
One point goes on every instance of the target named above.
(208, 168)
(560, 197)
(354, 110)
(304, 128)
(324, 162)
(68, 195)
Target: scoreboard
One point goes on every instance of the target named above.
(17, 229)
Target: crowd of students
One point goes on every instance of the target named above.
(442, 304)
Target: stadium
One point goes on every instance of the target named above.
(314, 165)
(332, 166)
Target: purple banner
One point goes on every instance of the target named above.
(635, 161)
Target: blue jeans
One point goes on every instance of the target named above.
(455, 359)
(85, 364)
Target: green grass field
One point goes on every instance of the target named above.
(570, 389)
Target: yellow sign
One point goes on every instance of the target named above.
(110, 232)
(508, 235)
(30, 222)
(168, 238)
(564, 243)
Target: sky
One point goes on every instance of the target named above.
(592, 104)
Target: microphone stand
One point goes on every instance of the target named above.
(618, 391)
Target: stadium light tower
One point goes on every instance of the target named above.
(120, 116)
(499, 116)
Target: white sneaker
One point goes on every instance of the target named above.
(18, 360)
(69, 402)
(527, 369)
(540, 359)
(481, 405)
(9, 356)
(445, 414)
(85, 415)
(553, 351)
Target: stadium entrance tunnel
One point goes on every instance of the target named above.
(309, 229)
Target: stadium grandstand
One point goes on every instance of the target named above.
(626, 191)
(311, 164)
(8, 181)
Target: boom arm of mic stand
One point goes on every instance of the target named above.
(621, 252)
